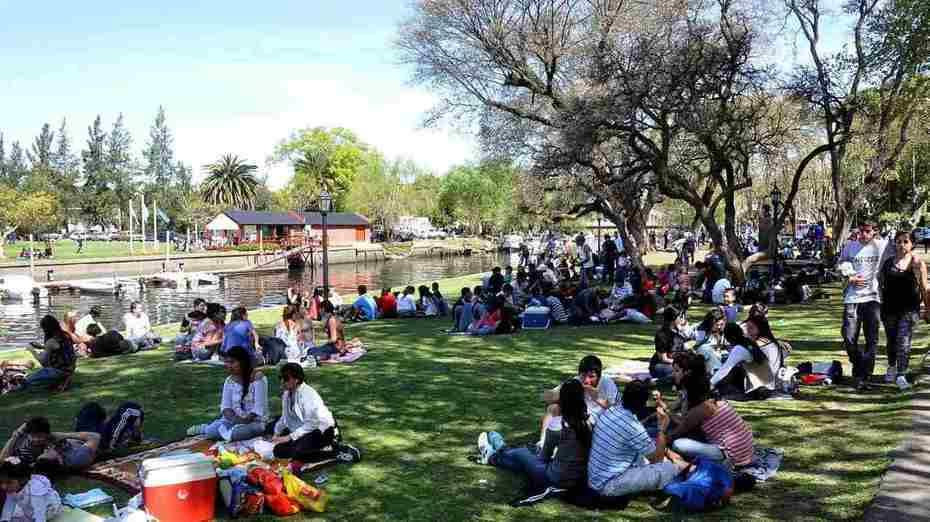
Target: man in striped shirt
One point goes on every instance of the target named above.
(624, 460)
(556, 310)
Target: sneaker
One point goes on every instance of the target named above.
(349, 453)
(902, 383)
(891, 374)
(485, 450)
(196, 429)
(863, 385)
(496, 440)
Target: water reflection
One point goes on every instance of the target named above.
(19, 321)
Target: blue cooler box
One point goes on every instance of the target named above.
(536, 318)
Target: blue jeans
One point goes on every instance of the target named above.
(522, 460)
(899, 328)
(693, 448)
(237, 431)
(44, 377)
(855, 317)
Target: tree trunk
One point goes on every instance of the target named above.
(730, 252)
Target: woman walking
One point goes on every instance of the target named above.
(903, 283)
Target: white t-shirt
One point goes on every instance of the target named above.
(607, 390)
(866, 261)
(80, 327)
(137, 326)
(255, 402)
(719, 288)
(406, 303)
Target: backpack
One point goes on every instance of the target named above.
(709, 486)
(272, 349)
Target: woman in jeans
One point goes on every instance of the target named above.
(569, 466)
(244, 401)
(903, 283)
(57, 357)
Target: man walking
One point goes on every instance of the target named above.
(860, 262)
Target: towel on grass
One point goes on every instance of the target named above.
(629, 371)
(90, 498)
(350, 357)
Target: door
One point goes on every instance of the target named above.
(360, 233)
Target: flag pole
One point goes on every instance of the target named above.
(155, 223)
(130, 226)
(142, 213)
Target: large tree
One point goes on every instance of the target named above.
(230, 183)
(871, 88)
(27, 213)
(97, 192)
(158, 156)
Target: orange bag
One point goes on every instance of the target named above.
(268, 480)
(280, 505)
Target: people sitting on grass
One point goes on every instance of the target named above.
(139, 328)
(240, 332)
(463, 313)
(560, 465)
(496, 281)
(556, 308)
(311, 304)
(336, 344)
(730, 307)
(208, 339)
(670, 340)
(57, 358)
(728, 437)
(441, 305)
(600, 393)
(387, 304)
(37, 446)
(191, 322)
(290, 332)
(624, 459)
(487, 322)
(28, 497)
(105, 344)
(587, 305)
(712, 345)
(406, 303)
(306, 430)
(425, 304)
(91, 317)
(752, 367)
(364, 308)
(79, 341)
(243, 403)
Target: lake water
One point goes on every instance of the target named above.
(19, 321)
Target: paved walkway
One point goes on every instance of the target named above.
(904, 493)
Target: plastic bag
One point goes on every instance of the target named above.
(304, 494)
(268, 480)
(281, 505)
(240, 499)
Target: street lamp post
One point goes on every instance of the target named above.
(776, 202)
(326, 206)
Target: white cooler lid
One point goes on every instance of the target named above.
(174, 461)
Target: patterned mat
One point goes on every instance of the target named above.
(124, 471)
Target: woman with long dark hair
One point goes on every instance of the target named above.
(757, 352)
(903, 283)
(244, 402)
(57, 357)
(568, 468)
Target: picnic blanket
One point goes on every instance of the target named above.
(765, 463)
(210, 362)
(350, 357)
(124, 471)
(630, 370)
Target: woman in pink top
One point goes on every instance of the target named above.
(729, 437)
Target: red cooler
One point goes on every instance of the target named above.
(181, 488)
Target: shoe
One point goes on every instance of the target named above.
(485, 450)
(349, 453)
(891, 374)
(196, 429)
(902, 383)
(863, 385)
(496, 440)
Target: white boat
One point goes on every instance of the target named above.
(206, 278)
(20, 287)
(184, 279)
(97, 286)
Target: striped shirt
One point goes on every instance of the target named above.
(556, 309)
(729, 431)
(620, 442)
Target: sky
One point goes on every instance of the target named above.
(234, 77)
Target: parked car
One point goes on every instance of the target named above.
(921, 234)
(50, 236)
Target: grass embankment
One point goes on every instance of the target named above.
(66, 250)
(417, 402)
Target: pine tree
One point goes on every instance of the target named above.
(3, 164)
(96, 190)
(159, 154)
(16, 166)
(118, 153)
(64, 162)
(41, 154)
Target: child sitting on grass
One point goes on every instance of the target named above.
(29, 498)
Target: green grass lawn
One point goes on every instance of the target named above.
(66, 249)
(416, 404)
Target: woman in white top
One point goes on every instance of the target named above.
(406, 303)
(29, 498)
(306, 431)
(139, 329)
(244, 404)
(288, 330)
(758, 352)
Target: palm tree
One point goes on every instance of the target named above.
(230, 183)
